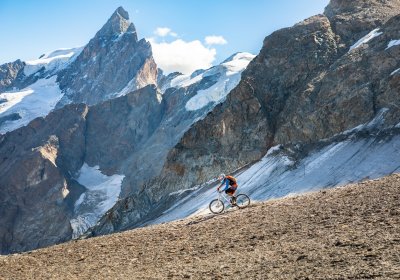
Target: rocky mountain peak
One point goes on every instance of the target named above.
(8, 74)
(118, 23)
(121, 12)
(113, 63)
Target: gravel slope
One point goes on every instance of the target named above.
(351, 232)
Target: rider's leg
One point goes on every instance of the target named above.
(230, 192)
(233, 196)
(233, 199)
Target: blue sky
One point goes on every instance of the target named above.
(31, 28)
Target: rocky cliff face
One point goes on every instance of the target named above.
(8, 74)
(35, 177)
(309, 82)
(114, 60)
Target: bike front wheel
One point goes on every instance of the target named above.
(242, 201)
(216, 206)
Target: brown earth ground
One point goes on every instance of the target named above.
(350, 232)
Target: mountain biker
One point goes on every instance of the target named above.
(231, 185)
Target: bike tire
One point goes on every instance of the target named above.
(242, 201)
(216, 206)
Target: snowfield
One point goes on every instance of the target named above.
(230, 73)
(52, 62)
(36, 100)
(101, 194)
(39, 98)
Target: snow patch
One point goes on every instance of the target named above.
(395, 72)
(274, 149)
(374, 33)
(377, 121)
(185, 80)
(230, 71)
(131, 86)
(102, 193)
(393, 43)
(9, 99)
(52, 62)
(183, 191)
(37, 100)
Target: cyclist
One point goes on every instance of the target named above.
(230, 184)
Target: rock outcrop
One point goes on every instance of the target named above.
(34, 169)
(9, 73)
(352, 20)
(113, 61)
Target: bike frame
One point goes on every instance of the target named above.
(225, 197)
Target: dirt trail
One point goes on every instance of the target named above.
(351, 232)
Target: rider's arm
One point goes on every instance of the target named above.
(221, 185)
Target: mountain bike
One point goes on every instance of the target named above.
(217, 205)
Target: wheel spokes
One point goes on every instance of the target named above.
(216, 206)
(242, 201)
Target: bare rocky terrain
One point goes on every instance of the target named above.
(350, 232)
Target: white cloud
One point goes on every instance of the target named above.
(215, 40)
(162, 31)
(182, 56)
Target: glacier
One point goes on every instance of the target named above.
(39, 98)
(52, 62)
(230, 74)
(36, 100)
(101, 194)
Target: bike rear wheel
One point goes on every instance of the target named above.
(242, 200)
(216, 206)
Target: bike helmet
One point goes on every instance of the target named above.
(221, 176)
